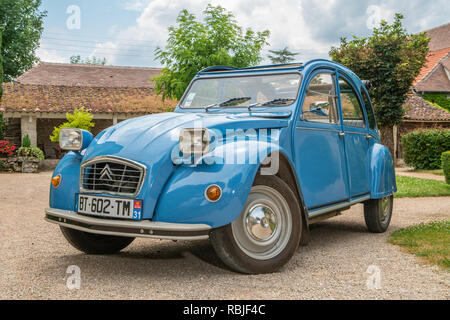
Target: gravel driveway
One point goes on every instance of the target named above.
(35, 257)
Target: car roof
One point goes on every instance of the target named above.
(298, 66)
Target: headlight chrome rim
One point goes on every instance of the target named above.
(187, 139)
(77, 147)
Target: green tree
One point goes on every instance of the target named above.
(194, 45)
(2, 122)
(391, 59)
(91, 61)
(282, 56)
(21, 21)
(1, 70)
(81, 119)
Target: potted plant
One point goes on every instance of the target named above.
(28, 156)
(7, 150)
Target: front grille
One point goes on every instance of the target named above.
(113, 176)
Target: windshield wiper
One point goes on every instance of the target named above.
(228, 103)
(277, 102)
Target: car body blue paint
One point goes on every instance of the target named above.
(328, 169)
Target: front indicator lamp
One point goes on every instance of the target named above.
(56, 181)
(213, 193)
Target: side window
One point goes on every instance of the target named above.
(352, 112)
(320, 102)
(369, 110)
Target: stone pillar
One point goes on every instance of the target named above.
(28, 126)
(114, 119)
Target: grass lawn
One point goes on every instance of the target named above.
(429, 241)
(417, 187)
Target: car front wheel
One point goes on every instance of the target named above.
(266, 234)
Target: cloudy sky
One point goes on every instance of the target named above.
(126, 32)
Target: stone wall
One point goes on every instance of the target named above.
(12, 131)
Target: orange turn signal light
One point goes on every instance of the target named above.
(56, 181)
(213, 193)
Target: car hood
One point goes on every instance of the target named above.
(150, 140)
(146, 138)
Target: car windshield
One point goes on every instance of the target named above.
(243, 91)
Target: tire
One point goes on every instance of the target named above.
(266, 234)
(91, 243)
(378, 214)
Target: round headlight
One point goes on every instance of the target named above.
(194, 141)
(70, 139)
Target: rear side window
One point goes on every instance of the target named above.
(369, 110)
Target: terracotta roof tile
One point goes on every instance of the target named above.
(19, 97)
(418, 109)
(437, 79)
(64, 74)
(440, 37)
(433, 59)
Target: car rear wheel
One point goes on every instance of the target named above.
(266, 234)
(378, 214)
(95, 243)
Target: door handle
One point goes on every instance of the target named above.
(341, 134)
(368, 137)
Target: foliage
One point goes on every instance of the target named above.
(91, 61)
(26, 142)
(423, 148)
(430, 241)
(194, 45)
(30, 152)
(391, 59)
(7, 148)
(22, 25)
(438, 98)
(2, 124)
(445, 158)
(409, 187)
(1, 80)
(282, 56)
(80, 118)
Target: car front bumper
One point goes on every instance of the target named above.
(144, 229)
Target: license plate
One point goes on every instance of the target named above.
(110, 207)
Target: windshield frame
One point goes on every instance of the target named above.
(246, 74)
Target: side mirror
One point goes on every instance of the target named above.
(367, 84)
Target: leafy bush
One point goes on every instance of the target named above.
(446, 165)
(81, 119)
(26, 142)
(423, 148)
(438, 98)
(7, 148)
(30, 152)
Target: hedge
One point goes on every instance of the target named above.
(446, 165)
(423, 148)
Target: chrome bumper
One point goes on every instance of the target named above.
(144, 229)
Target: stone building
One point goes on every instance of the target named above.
(431, 87)
(39, 99)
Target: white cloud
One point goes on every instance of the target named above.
(50, 56)
(310, 27)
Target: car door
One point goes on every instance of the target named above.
(318, 143)
(356, 137)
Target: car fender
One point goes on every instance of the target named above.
(382, 172)
(63, 197)
(183, 198)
